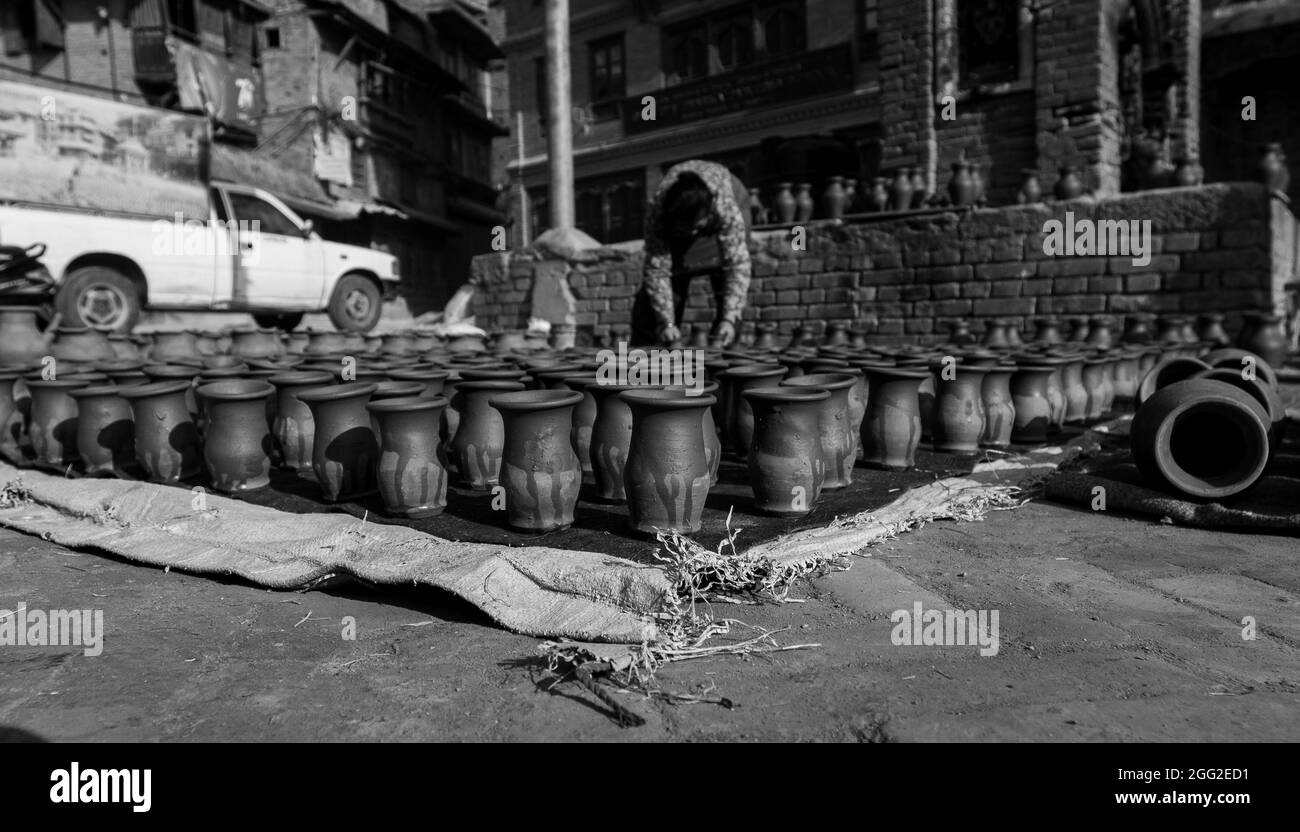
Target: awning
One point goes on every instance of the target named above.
(476, 210)
(1231, 20)
(247, 167)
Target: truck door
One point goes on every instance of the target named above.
(277, 264)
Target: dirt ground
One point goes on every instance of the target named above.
(1111, 629)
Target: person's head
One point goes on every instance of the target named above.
(687, 207)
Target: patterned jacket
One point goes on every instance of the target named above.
(727, 223)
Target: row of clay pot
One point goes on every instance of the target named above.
(1208, 427)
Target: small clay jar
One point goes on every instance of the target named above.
(786, 466)
(293, 429)
(176, 348)
(344, 448)
(411, 473)
(958, 407)
(1212, 331)
(666, 478)
(21, 343)
(1076, 395)
(166, 439)
(105, 429)
(480, 437)
(995, 334)
(766, 339)
(237, 443)
(1029, 398)
(1048, 331)
(1127, 375)
(539, 469)
(53, 427)
(740, 420)
(891, 429)
(256, 343)
(80, 344)
(837, 435)
(1137, 328)
(1096, 380)
(1265, 337)
(1099, 333)
(999, 411)
(399, 343)
(611, 438)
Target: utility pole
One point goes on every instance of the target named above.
(559, 119)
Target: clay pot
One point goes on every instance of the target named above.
(80, 344)
(584, 415)
(325, 342)
(833, 198)
(433, 380)
(1096, 380)
(838, 434)
(105, 429)
(53, 427)
(958, 408)
(766, 337)
(539, 470)
(837, 335)
(1029, 398)
(999, 412)
(396, 390)
(344, 448)
(666, 477)
(1127, 375)
(1137, 329)
(130, 378)
(1031, 191)
(176, 372)
(21, 343)
(995, 334)
(740, 421)
(256, 343)
(611, 437)
(411, 474)
(1165, 373)
(124, 347)
(1260, 391)
(237, 443)
(879, 198)
(803, 202)
(961, 188)
(1238, 359)
(919, 188)
(1211, 330)
(1264, 336)
(492, 374)
(479, 440)
(960, 334)
(166, 439)
(224, 362)
(468, 343)
(1202, 438)
(786, 467)
(11, 418)
(399, 343)
(293, 429)
(1048, 331)
(1273, 170)
(900, 191)
(891, 429)
(1170, 329)
(1069, 185)
(175, 348)
(784, 203)
(1099, 334)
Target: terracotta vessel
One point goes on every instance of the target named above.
(1239, 359)
(11, 418)
(53, 427)
(166, 439)
(959, 334)
(1212, 331)
(399, 343)
(1205, 439)
(1165, 373)
(396, 390)
(833, 198)
(293, 429)
(1264, 336)
(256, 343)
(1031, 190)
(467, 344)
(105, 429)
(958, 408)
(1127, 375)
(837, 435)
(344, 448)
(740, 421)
(1068, 185)
(237, 440)
(786, 465)
(1029, 398)
(1137, 328)
(21, 343)
(539, 469)
(784, 203)
(900, 191)
(325, 342)
(803, 202)
(80, 344)
(766, 337)
(480, 438)
(919, 189)
(1260, 391)
(1099, 334)
(611, 438)
(666, 478)
(995, 334)
(411, 473)
(1273, 170)
(432, 379)
(1097, 381)
(177, 347)
(961, 188)
(177, 372)
(1048, 331)
(891, 429)
(999, 412)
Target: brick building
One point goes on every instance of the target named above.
(800, 90)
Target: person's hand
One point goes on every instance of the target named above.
(724, 332)
(670, 336)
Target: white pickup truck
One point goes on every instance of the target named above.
(252, 254)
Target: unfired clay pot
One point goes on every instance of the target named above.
(667, 476)
(891, 429)
(344, 448)
(1167, 372)
(166, 439)
(611, 437)
(999, 412)
(786, 464)
(480, 438)
(740, 421)
(53, 426)
(539, 468)
(237, 442)
(838, 435)
(411, 474)
(1029, 397)
(293, 429)
(105, 429)
(958, 408)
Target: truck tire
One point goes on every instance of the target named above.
(287, 322)
(356, 304)
(99, 296)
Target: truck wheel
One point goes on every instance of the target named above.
(356, 304)
(288, 322)
(99, 296)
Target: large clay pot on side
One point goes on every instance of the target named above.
(293, 429)
(480, 437)
(958, 408)
(838, 436)
(166, 439)
(1165, 373)
(891, 430)
(237, 443)
(411, 473)
(1029, 398)
(740, 421)
(1259, 390)
(539, 469)
(666, 478)
(786, 466)
(1238, 359)
(344, 448)
(105, 429)
(21, 343)
(1202, 438)
(53, 428)
(999, 412)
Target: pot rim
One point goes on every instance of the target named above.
(123, 365)
(236, 390)
(156, 388)
(895, 372)
(481, 386)
(524, 401)
(95, 390)
(56, 383)
(335, 392)
(420, 374)
(787, 394)
(1237, 410)
(403, 388)
(755, 370)
(491, 375)
(171, 371)
(830, 381)
(678, 400)
(407, 404)
(294, 378)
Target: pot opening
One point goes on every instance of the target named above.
(1216, 445)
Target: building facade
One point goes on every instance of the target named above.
(797, 91)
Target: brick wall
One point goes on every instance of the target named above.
(1215, 248)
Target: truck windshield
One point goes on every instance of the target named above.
(249, 208)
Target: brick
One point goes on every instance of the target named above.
(789, 296)
(920, 292)
(1005, 289)
(1182, 282)
(998, 271)
(778, 283)
(812, 296)
(1159, 263)
(940, 291)
(1078, 304)
(834, 280)
(918, 326)
(1142, 283)
(1005, 306)
(975, 290)
(1177, 242)
(944, 274)
(1239, 279)
(1037, 286)
(884, 277)
(1243, 237)
(953, 307)
(1104, 285)
(1069, 285)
